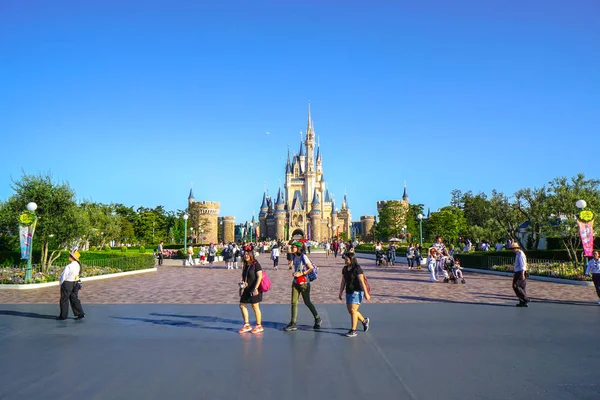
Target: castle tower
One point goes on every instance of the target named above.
(190, 197)
(279, 217)
(334, 221)
(315, 218)
(405, 196)
(310, 175)
(204, 218)
(228, 229)
(262, 215)
(367, 222)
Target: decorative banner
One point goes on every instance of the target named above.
(586, 231)
(25, 238)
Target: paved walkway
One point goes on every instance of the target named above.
(175, 284)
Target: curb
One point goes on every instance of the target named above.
(500, 273)
(91, 278)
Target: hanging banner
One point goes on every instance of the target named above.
(586, 231)
(25, 239)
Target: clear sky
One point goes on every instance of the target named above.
(130, 101)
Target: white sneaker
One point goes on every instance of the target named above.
(598, 302)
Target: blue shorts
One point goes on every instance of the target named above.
(354, 298)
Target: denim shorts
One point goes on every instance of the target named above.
(354, 298)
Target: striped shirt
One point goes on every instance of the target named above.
(520, 261)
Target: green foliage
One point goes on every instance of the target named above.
(107, 248)
(123, 249)
(60, 224)
(449, 223)
(142, 249)
(392, 218)
(93, 248)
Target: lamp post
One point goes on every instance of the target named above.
(185, 218)
(581, 204)
(202, 233)
(31, 207)
(420, 217)
(404, 232)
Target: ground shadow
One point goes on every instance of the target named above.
(373, 278)
(537, 299)
(206, 319)
(435, 300)
(26, 314)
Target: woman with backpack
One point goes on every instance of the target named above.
(252, 275)
(212, 252)
(301, 286)
(353, 280)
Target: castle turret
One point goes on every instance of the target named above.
(334, 220)
(279, 217)
(315, 218)
(367, 222)
(228, 229)
(191, 197)
(262, 215)
(405, 195)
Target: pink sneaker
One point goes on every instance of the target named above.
(258, 329)
(245, 328)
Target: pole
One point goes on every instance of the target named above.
(184, 234)
(421, 233)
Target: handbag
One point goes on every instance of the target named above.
(265, 283)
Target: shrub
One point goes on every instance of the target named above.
(107, 248)
(142, 249)
(123, 249)
(93, 248)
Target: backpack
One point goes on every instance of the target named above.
(313, 274)
(265, 283)
(225, 254)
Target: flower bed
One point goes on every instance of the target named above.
(16, 275)
(561, 270)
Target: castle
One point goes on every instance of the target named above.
(204, 222)
(305, 208)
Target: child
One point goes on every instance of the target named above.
(458, 268)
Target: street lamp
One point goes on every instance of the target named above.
(185, 218)
(28, 221)
(420, 217)
(404, 232)
(202, 233)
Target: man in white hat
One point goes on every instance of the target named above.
(520, 275)
(69, 288)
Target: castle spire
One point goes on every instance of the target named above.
(405, 196)
(301, 153)
(345, 202)
(264, 204)
(315, 203)
(191, 196)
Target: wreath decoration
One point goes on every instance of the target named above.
(586, 216)
(26, 218)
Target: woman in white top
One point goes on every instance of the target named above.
(275, 256)
(593, 268)
(69, 288)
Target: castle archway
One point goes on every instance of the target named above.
(297, 234)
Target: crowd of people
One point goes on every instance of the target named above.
(353, 282)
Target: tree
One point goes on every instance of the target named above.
(479, 218)
(563, 193)
(449, 223)
(392, 219)
(412, 222)
(506, 215)
(60, 223)
(533, 206)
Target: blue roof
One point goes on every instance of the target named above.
(297, 202)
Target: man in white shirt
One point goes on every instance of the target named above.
(593, 268)
(520, 275)
(69, 288)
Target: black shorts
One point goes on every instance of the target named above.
(247, 297)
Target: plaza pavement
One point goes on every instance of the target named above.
(454, 342)
(175, 284)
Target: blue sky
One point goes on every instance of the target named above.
(131, 101)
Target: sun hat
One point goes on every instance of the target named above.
(297, 244)
(75, 254)
(515, 245)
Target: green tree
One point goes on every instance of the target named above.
(412, 221)
(506, 215)
(564, 193)
(60, 223)
(533, 204)
(449, 223)
(392, 219)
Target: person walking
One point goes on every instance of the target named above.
(410, 256)
(190, 253)
(336, 247)
(275, 256)
(327, 247)
(159, 250)
(212, 252)
(593, 267)
(252, 275)
(418, 258)
(432, 263)
(354, 283)
(520, 275)
(301, 286)
(69, 288)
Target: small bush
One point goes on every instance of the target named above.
(142, 249)
(93, 248)
(106, 248)
(123, 249)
